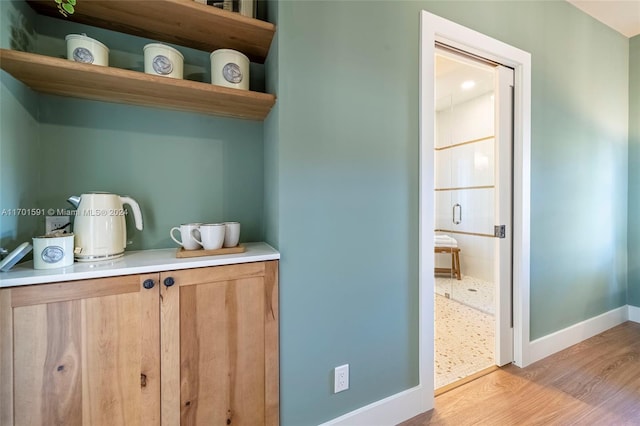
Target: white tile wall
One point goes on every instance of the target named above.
(443, 129)
(473, 119)
(443, 177)
(477, 207)
(467, 166)
(464, 122)
(476, 256)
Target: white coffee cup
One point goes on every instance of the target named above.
(212, 235)
(188, 241)
(231, 234)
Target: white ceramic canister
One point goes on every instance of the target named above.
(230, 68)
(81, 48)
(55, 251)
(160, 59)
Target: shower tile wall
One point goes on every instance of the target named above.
(468, 165)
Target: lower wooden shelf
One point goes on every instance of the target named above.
(74, 79)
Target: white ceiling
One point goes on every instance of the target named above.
(621, 15)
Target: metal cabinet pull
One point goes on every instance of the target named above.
(453, 213)
(148, 284)
(169, 281)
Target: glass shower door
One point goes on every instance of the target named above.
(464, 177)
(446, 210)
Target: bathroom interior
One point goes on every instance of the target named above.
(464, 225)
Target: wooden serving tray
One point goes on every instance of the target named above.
(202, 252)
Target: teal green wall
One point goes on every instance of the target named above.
(271, 138)
(347, 187)
(180, 167)
(634, 171)
(344, 147)
(578, 154)
(19, 171)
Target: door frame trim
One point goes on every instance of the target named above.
(503, 257)
(434, 28)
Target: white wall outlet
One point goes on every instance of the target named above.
(57, 223)
(341, 378)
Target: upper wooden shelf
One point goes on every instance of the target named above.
(68, 78)
(182, 22)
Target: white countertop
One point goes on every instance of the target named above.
(133, 262)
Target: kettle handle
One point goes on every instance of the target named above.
(137, 214)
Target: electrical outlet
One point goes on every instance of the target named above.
(57, 223)
(341, 378)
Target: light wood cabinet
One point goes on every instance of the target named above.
(80, 353)
(224, 371)
(200, 347)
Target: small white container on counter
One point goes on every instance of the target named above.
(55, 251)
(229, 68)
(160, 59)
(81, 48)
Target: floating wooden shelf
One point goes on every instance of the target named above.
(182, 22)
(67, 78)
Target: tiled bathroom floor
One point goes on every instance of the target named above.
(464, 340)
(470, 291)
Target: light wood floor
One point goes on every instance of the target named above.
(596, 382)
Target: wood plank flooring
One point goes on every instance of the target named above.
(596, 382)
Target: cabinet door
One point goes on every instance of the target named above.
(82, 353)
(219, 333)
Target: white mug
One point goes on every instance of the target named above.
(212, 235)
(231, 234)
(188, 241)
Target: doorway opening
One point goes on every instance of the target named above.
(435, 29)
(472, 240)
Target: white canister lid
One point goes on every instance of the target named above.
(220, 51)
(163, 46)
(84, 37)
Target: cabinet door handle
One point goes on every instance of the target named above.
(168, 282)
(148, 284)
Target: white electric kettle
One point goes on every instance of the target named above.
(100, 228)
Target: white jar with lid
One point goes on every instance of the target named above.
(230, 68)
(81, 48)
(160, 59)
(53, 251)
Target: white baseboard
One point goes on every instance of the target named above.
(389, 411)
(407, 404)
(562, 339)
(634, 313)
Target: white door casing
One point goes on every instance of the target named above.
(436, 29)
